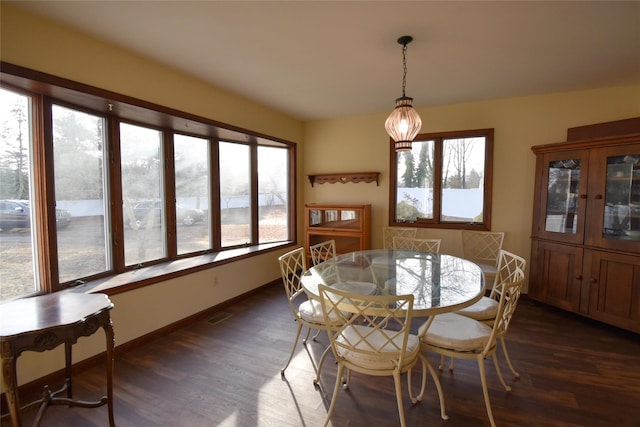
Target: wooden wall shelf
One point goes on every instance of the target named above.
(343, 178)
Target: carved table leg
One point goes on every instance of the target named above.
(9, 375)
(108, 330)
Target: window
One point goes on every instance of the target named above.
(193, 182)
(18, 262)
(273, 203)
(80, 168)
(444, 181)
(143, 198)
(99, 184)
(235, 194)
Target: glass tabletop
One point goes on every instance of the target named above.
(439, 282)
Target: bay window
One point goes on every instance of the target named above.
(96, 184)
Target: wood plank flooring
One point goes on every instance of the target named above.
(574, 372)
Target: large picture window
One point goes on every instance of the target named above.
(444, 181)
(94, 184)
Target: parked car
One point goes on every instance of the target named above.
(17, 214)
(185, 216)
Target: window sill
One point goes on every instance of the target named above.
(146, 276)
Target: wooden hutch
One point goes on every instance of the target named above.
(585, 254)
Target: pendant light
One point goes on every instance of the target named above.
(404, 123)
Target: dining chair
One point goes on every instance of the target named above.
(510, 269)
(483, 248)
(388, 233)
(374, 339)
(458, 336)
(307, 312)
(416, 244)
(322, 251)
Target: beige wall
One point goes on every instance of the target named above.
(360, 144)
(350, 144)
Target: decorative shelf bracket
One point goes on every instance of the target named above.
(343, 178)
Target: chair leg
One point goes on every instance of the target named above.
(495, 363)
(436, 380)
(306, 338)
(398, 384)
(418, 398)
(485, 391)
(336, 390)
(506, 356)
(316, 335)
(324, 354)
(293, 350)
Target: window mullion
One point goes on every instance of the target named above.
(437, 179)
(170, 195)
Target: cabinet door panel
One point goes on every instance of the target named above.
(556, 274)
(563, 189)
(614, 288)
(614, 198)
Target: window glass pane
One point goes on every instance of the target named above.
(273, 197)
(17, 237)
(235, 191)
(80, 188)
(192, 193)
(414, 192)
(463, 179)
(142, 194)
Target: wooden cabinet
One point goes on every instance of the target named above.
(348, 225)
(585, 254)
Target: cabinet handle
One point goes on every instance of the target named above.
(593, 280)
(579, 277)
(583, 196)
(598, 196)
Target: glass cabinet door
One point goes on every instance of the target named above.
(614, 198)
(622, 198)
(564, 202)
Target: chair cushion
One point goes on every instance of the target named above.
(487, 268)
(485, 309)
(386, 356)
(311, 311)
(457, 332)
(362, 288)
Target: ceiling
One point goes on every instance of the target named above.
(324, 59)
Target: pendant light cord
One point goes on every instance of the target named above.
(404, 65)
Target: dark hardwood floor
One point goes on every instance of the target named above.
(574, 372)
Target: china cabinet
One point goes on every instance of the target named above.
(348, 225)
(585, 254)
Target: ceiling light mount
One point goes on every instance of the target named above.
(404, 123)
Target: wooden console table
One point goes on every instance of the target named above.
(42, 323)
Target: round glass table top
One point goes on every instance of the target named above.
(439, 282)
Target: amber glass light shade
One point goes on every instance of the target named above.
(403, 124)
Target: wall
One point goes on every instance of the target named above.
(360, 144)
(29, 41)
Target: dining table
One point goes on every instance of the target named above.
(440, 283)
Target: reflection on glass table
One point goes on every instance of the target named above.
(440, 283)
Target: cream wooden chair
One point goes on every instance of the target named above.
(306, 312)
(451, 334)
(510, 269)
(416, 244)
(483, 248)
(388, 233)
(375, 340)
(322, 251)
